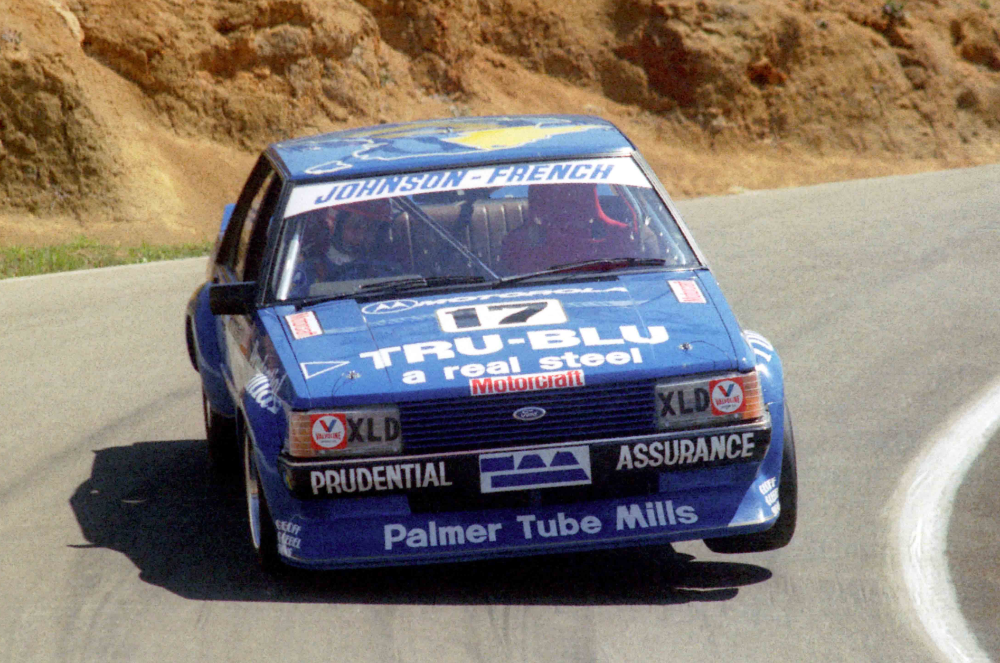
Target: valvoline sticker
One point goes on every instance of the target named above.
(727, 396)
(329, 431)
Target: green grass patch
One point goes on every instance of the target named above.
(84, 253)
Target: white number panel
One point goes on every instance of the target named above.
(495, 316)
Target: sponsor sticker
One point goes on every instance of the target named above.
(681, 452)
(394, 306)
(760, 345)
(606, 171)
(542, 468)
(487, 386)
(303, 325)
(289, 540)
(495, 316)
(329, 431)
(727, 396)
(400, 305)
(396, 476)
(687, 292)
(259, 389)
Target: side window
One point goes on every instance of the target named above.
(253, 235)
(246, 210)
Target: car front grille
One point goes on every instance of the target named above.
(585, 413)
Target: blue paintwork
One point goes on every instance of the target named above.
(394, 148)
(638, 300)
(227, 213)
(634, 314)
(207, 353)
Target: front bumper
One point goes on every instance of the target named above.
(525, 500)
(610, 464)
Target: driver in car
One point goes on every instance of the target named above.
(344, 244)
(354, 229)
(565, 224)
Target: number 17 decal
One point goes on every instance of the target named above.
(495, 316)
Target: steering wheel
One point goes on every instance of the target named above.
(363, 269)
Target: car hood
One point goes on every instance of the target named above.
(631, 327)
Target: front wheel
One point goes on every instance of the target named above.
(220, 433)
(781, 533)
(263, 535)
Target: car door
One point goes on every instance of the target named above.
(241, 255)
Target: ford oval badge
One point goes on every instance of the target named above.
(530, 413)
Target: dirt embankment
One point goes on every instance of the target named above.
(137, 121)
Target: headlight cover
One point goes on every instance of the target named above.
(709, 400)
(360, 431)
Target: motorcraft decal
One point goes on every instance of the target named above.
(533, 382)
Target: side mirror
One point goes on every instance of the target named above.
(232, 298)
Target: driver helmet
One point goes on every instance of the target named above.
(565, 208)
(357, 227)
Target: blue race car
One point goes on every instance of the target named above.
(481, 337)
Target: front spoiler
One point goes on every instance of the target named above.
(391, 540)
(399, 527)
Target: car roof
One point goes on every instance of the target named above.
(447, 143)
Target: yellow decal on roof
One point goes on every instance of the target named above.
(508, 137)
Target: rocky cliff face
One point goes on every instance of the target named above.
(143, 115)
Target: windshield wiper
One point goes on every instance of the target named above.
(319, 299)
(389, 286)
(599, 265)
(417, 283)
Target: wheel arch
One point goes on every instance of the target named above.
(202, 341)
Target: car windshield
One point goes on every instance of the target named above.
(497, 224)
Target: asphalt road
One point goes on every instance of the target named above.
(880, 296)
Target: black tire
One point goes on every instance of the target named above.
(189, 339)
(220, 433)
(263, 535)
(780, 535)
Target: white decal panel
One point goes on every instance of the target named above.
(542, 468)
(760, 345)
(688, 292)
(303, 325)
(496, 316)
(605, 171)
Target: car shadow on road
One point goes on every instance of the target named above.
(158, 504)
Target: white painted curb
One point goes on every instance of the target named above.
(928, 493)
